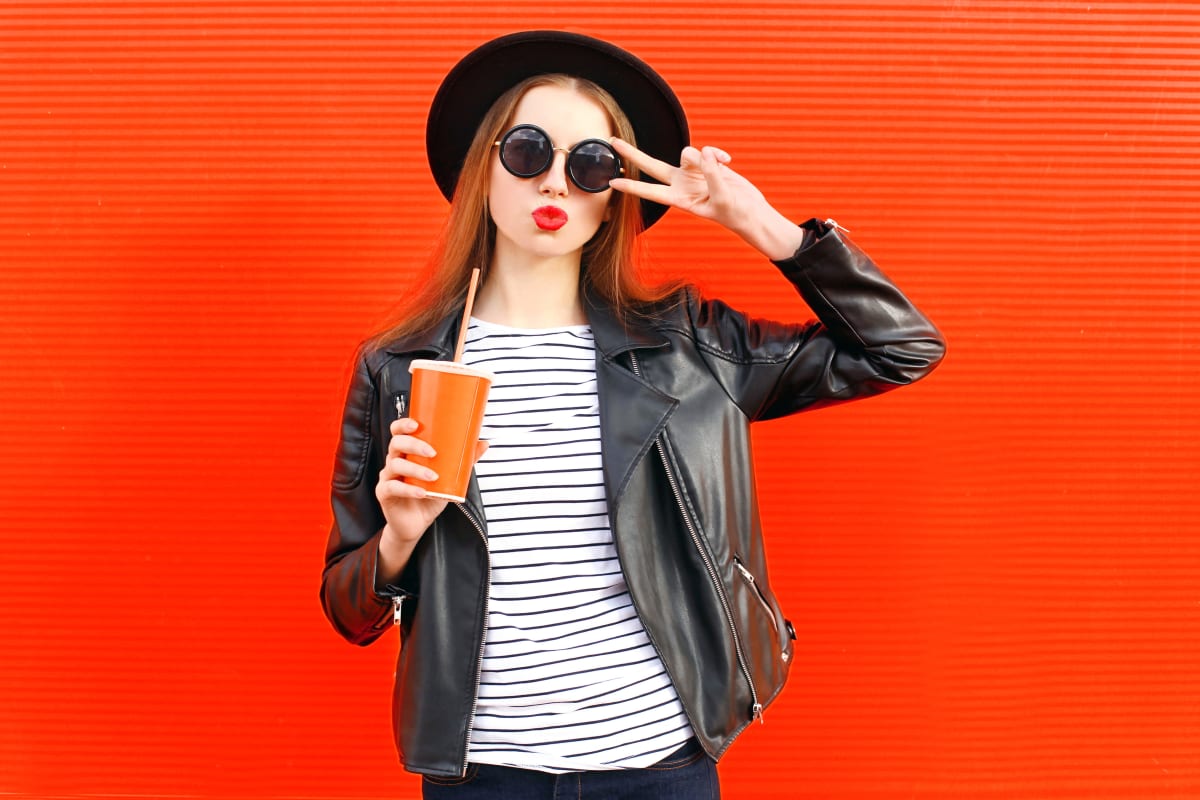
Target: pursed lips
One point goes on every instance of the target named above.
(549, 218)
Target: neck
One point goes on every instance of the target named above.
(532, 293)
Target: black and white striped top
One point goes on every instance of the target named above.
(570, 680)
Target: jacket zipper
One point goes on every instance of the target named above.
(748, 576)
(482, 640)
(756, 709)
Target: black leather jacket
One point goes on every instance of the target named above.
(677, 394)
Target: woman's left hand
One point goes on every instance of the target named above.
(705, 185)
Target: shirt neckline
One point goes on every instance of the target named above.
(584, 328)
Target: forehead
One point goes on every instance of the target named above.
(565, 114)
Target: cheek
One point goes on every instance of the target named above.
(594, 213)
(612, 206)
(498, 178)
(490, 182)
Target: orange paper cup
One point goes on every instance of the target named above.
(447, 401)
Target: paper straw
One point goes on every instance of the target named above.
(462, 331)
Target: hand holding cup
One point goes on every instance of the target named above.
(407, 507)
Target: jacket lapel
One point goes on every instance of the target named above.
(632, 411)
(438, 340)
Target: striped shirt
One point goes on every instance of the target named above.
(570, 680)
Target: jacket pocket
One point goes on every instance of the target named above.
(783, 635)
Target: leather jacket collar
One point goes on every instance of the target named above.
(613, 335)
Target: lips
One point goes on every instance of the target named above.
(549, 218)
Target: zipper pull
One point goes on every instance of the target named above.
(401, 405)
(397, 607)
(833, 223)
(745, 572)
(756, 712)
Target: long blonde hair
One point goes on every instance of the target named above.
(608, 264)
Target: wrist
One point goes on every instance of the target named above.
(393, 554)
(772, 234)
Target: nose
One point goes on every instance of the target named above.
(554, 180)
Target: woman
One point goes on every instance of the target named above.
(597, 614)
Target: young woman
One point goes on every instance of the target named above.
(596, 616)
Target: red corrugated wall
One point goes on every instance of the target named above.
(995, 574)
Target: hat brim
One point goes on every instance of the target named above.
(478, 80)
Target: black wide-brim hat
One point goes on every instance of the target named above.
(478, 80)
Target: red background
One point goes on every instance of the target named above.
(993, 573)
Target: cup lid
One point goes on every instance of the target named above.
(452, 367)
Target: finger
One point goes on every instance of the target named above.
(655, 192)
(404, 425)
(708, 163)
(481, 447)
(715, 174)
(690, 158)
(401, 468)
(404, 445)
(395, 489)
(722, 156)
(659, 170)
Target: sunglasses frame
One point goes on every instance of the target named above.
(570, 152)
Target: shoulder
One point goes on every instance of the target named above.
(671, 312)
(688, 311)
(368, 359)
(376, 352)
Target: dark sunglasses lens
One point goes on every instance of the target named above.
(593, 165)
(525, 152)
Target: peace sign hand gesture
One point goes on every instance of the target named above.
(705, 185)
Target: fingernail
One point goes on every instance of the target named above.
(430, 475)
(430, 452)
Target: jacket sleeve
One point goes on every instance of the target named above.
(348, 595)
(867, 338)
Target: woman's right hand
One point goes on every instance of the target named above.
(409, 511)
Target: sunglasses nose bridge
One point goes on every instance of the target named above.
(554, 176)
(566, 157)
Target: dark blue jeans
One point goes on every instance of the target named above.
(686, 774)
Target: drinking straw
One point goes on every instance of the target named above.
(462, 331)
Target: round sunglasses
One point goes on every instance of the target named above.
(526, 151)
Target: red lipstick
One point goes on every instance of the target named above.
(549, 218)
